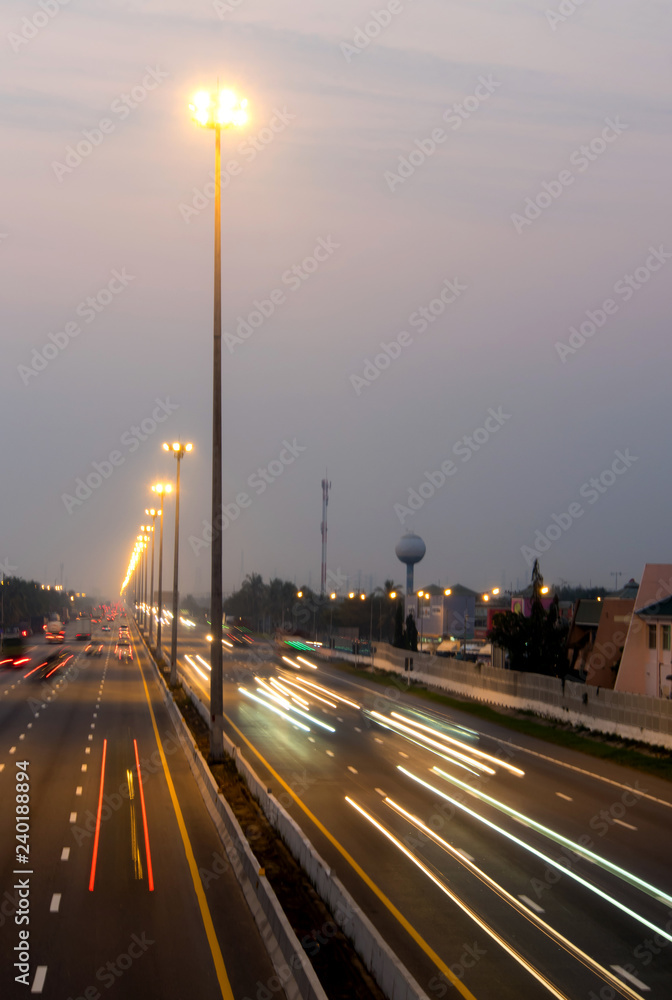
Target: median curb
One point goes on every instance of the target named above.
(294, 970)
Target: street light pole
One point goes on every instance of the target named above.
(161, 489)
(153, 514)
(220, 112)
(178, 450)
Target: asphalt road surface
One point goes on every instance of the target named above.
(109, 860)
(552, 875)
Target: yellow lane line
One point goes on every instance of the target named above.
(220, 968)
(408, 927)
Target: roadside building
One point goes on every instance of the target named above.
(646, 663)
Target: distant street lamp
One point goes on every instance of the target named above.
(153, 514)
(178, 450)
(161, 489)
(218, 111)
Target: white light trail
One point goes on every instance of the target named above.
(544, 857)
(272, 708)
(462, 905)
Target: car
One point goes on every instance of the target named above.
(89, 649)
(123, 650)
(45, 668)
(105, 628)
(98, 650)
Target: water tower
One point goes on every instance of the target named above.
(410, 550)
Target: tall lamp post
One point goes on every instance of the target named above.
(178, 450)
(146, 539)
(218, 111)
(153, 514)
(161, 489)
(143, 574)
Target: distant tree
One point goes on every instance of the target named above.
(536, 643)
(411, 633)
(399, 635)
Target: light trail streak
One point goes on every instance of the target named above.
(564, 942)
(575, 848)
(465, 746)
(544, 857)
(462, 905)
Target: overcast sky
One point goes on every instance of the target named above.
(506, 154)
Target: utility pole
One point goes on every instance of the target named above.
(326, 486)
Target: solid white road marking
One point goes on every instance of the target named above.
(532, 905)
(55, 902)
(38, 981)
(624, 974)
(567, 798)
(65, 854)
(628, 826)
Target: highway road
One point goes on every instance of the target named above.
(113, 879)
(551, 876)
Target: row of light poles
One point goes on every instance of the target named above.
(138, 563)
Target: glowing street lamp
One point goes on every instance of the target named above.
(161, 489)
(178, 450)
(222, 110)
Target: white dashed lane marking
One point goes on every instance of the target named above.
(38, 981)
(353, 769)
(65, 854)
(532, 905)
(628, 826)
(567, 798)
(55, 902)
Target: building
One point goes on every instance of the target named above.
(603, 660)
(646, 663)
